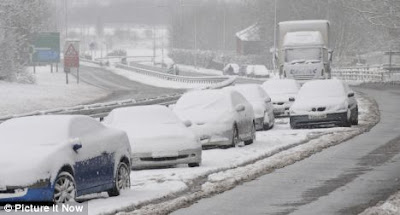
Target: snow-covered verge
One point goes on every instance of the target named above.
(50, 91)
(160, 191)
(389, 207)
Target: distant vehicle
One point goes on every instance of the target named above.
(304, 52)
(219, 117)
(58, 158)
(283, 93)
(261, 102)
(324, 103)
(158, 137)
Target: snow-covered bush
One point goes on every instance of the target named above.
(18, 21)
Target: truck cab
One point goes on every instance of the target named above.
(304, 50)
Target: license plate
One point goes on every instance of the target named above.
(164, 154)
(317, 116)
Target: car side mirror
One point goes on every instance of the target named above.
(76, 144)
(187, 123)
(240, 108)
(267, 100)
(350, 95)
(291, 99)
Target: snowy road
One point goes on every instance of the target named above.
(120, 87)
(344, 179)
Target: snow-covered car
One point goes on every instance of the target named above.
(58, 158)
(261, 102)
(324, 103)
(158, 137)
(219, 117)
(283, 93)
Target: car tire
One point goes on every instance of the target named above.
(122, 179)
(355, 117)
(253, 135)
(194, 165)
(266, 127)
(235, 136)
(347, 121)
(64, 188)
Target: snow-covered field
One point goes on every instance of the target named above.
(50, 91)
(172, 188)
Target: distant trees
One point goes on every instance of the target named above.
(18, 20)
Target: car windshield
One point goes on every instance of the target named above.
(33, 132)
(142, 115)
(212, 100)
(302, 55)
(281, 87)
(321, 89)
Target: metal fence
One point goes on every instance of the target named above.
(366, 74)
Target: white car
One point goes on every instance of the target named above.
(157, 136)
(58, 158)
(283, 93)
(261, 102)
(324, 103)
(219, 117)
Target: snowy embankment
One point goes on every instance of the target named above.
(389, 207)
(160, 191)
(50, 91)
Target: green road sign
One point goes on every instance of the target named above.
(45, 47)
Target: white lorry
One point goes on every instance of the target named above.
(303, 50)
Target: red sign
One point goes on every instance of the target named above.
(71, 55)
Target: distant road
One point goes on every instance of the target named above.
(120, 87)
(344, 179)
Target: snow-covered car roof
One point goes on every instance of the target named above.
(142, 115)
(36, 130)
(322, 89)
(204, 99)
(252, 92)
(281, 86)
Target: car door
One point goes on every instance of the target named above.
(246, 116)
(94, 165)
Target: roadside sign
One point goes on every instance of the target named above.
(45, 47)
(71, 54)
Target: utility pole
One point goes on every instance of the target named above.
(154, 44)
(224, 34)
(195, 36)
(66, 18)
(275, 26)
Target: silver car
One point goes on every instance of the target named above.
(324, 103)
(219, 117)
(261, 102)
(283, 93)
(157, 136)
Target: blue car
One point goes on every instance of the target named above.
(58, 158)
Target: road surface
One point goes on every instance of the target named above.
(120, 88)
(344, 179)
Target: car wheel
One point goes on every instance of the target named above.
(355, 117)
(64, 188)
(266, 127)
(194, 164)
(253, 135)
(235, 136)
(122, 179)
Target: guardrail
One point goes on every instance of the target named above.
(99, 110)
(207, 81)
(366, 74)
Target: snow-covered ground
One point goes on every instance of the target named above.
(50, 91)
(389, 207)
(223, 169)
